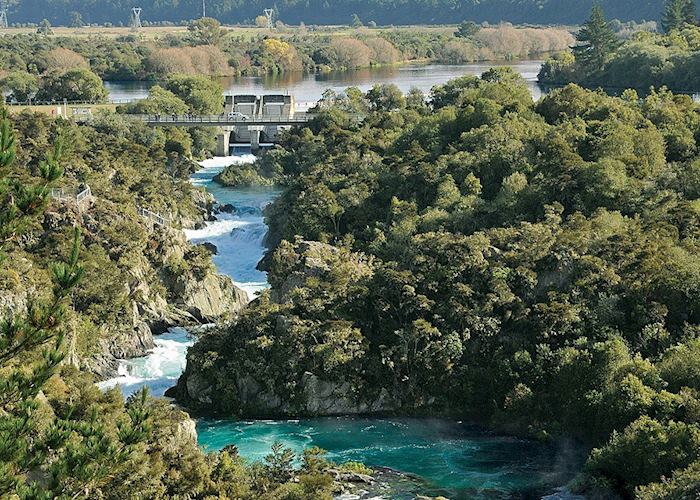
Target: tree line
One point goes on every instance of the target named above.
(647, 58)
(43, 67)
(383, 12)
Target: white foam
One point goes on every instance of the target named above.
(239, 239)
(214, 229)
(158, 369)
(225, 161)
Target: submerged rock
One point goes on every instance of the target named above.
(211, 248)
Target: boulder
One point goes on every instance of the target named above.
(213, 298)
(211, 248)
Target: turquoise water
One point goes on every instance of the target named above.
(450, 458)
(443, 457)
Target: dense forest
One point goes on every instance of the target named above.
(336, 12)
(532, 266)
(84, 281)
(646, 58)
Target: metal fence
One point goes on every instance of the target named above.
(78, 197)
(154, 217)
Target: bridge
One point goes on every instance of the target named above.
(244, 119)
(252, 129)
(222, 120)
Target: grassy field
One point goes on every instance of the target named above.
(155, 32)
(158, 32)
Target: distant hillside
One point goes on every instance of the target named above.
(383, 12)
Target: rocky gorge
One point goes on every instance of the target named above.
(160, 283)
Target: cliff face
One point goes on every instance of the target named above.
(140, 280)
(198, 389)
(163, 295)
(270, 363)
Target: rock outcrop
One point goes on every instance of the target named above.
(221, 377)
(166, 282)
(212, 298)
(317, 397)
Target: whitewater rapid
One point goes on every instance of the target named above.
(239, 238)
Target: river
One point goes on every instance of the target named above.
(310, 87)
(447, 457)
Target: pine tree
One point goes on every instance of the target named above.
(596, 41)
(678, 13)
(39, 328)
(59, 456)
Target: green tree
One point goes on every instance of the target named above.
(21, 85)
(279, 463)
(201, 94)
(44, 28)
(386, 97)
(76, 20)
(677, 13)
(355, 21)
(646, 450)
(41, 328)
(79, 84)
(467, 29)
(596, 41)
(206, 31)
(159, 100)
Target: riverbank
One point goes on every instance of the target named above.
(309, 88)
(482, 463)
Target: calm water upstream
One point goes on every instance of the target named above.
(308, 88)
(443, 457)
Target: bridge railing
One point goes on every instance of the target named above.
(221, 119)
(84, 194)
